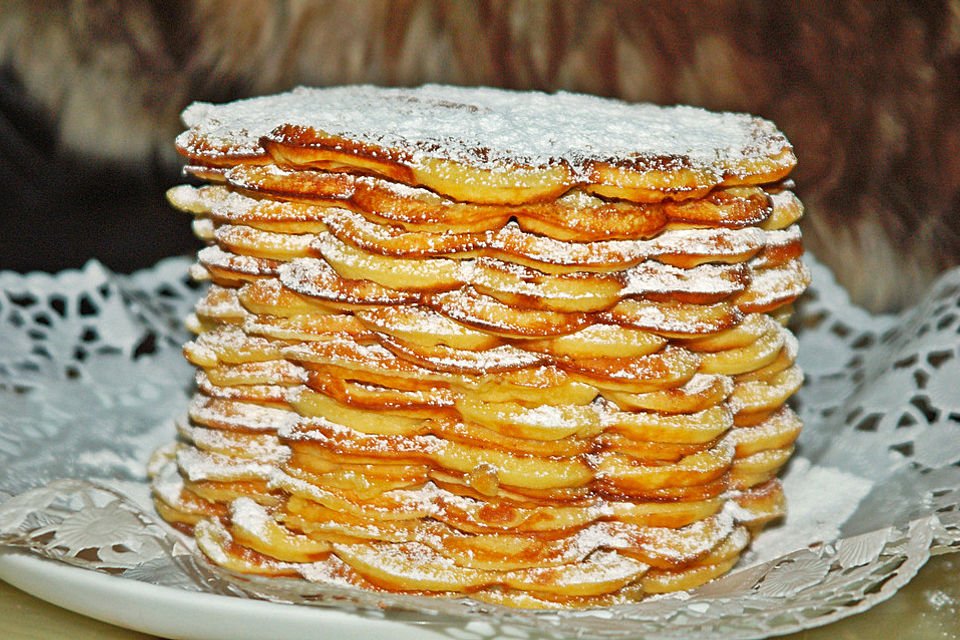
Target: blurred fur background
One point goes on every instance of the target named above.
(867, 91)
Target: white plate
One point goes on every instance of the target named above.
(186, 615)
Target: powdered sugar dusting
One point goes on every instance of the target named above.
(511, 240)
(197, 465)
(492, 129)
(773, 284)
(706, 279)
(249, 515)
(248, 265)
(499, 358)
(818, 498)
(239, 415)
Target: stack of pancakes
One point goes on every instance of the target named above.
(525, 347)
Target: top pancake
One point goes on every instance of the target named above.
(493, 146)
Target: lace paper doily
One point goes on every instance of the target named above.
(91, 377)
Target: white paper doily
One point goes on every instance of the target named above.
(91, 377)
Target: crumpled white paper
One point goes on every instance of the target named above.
(91, 377)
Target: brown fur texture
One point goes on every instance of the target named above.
(868, 92)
